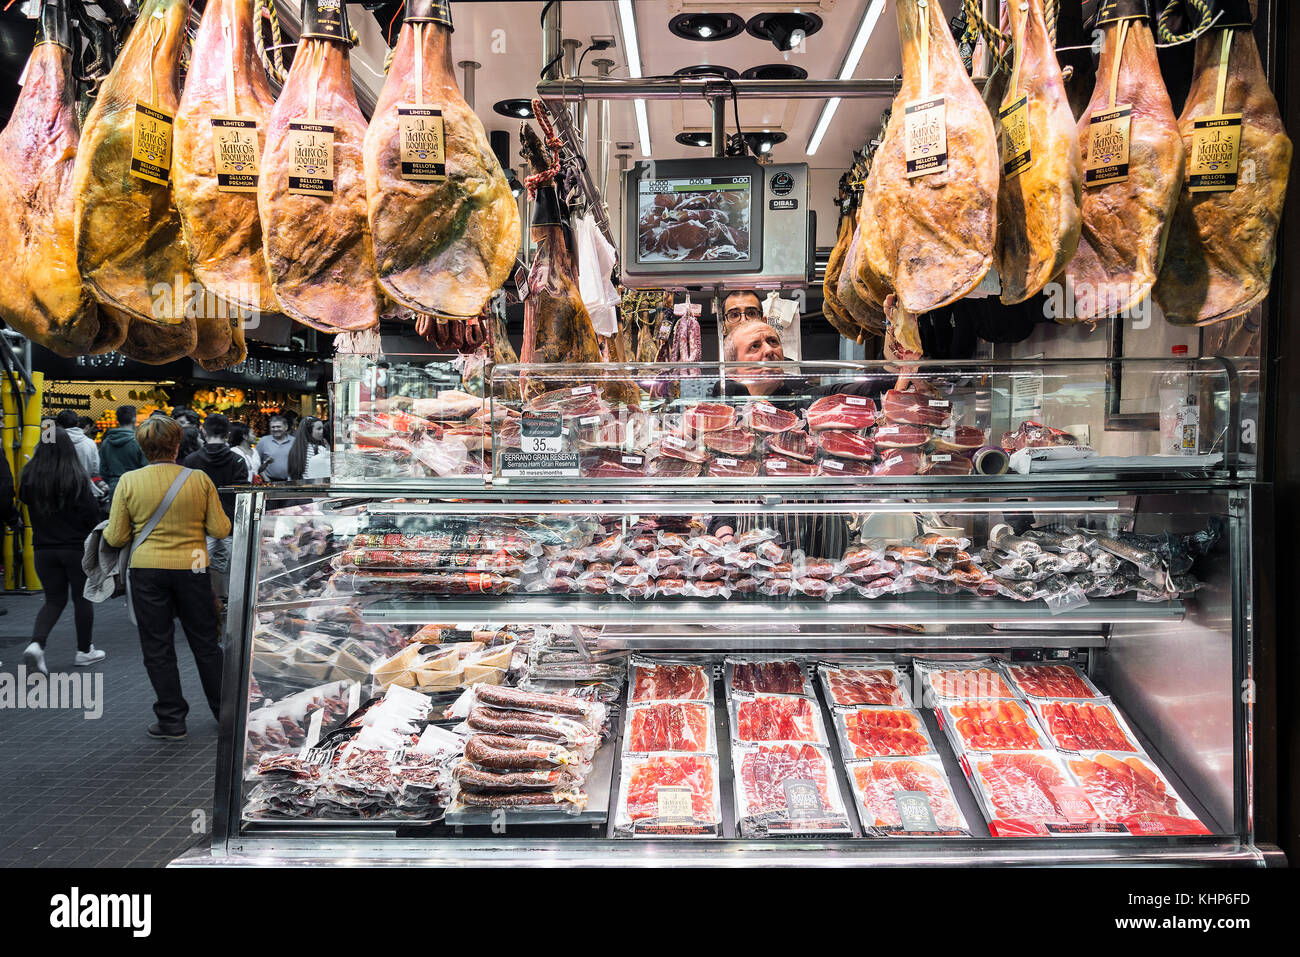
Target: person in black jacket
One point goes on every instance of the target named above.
(224, 467)
(63, 511)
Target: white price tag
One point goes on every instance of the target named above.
(543, 445)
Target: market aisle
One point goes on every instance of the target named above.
(81, 791)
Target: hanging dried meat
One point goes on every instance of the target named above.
(311, 192)
(1042, 169)
(1133, 169)
(129, 244)
(854, 295)
(1222, 243)
(41, 292)
(834, 310)
(929, 207)
(444, 222)
(220, 127)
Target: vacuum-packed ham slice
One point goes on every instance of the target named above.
(841, 412)
(1222, 244)
(962, 438)
(444, 223)
(794, 445)
(833, 466)
(676, 447)
(41, 292)
(916, 408)
(726, 467)
(708, 417)
(946, 463)
(1042, 169)
(220, 128)
(846, 445)
(729, 442)
(778, 466)
(1127, 206)
(929, 206)
(129, 244)
(765, 417)
(311, 191)
(900, 463)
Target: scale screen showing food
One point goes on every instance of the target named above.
(694, 219)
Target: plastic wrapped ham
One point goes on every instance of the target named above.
(776, 718)
(849, 685)
(669, 726)
(668, 795)
(1094, 725)
(766, 676)
(970, 678)
(653, 680)
(1128, 789)
(990, 724)
(875, 731)
(786, 789)
(1030, 794)
(906, 797)
(1050, 681)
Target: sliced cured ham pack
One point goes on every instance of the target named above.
(444, 223)
(311, 192)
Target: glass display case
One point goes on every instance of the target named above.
(864, 672)
(438, 419)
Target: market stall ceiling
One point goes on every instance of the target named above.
(506, 38)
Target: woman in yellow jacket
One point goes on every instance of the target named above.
(169, 570)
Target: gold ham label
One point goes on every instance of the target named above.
(151, 144)
(311, 148)
(1108, 142)
(927, 136)
(235, 153)
(422, 146)
(1016, 155)
(1216, 149)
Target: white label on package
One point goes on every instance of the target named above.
(777, 463)
(854, 400)
(833, 464)
(589, 420)
(941, 458)
(313, 731)
(582, 390)
(939, 403)
(674, 805)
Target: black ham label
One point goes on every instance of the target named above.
(422, 148)
(235, 153)
(915, 812)
(151, 144)
(1016, 155)
(1108, 140)
(1216, 149)
(927, 136)
(311, 152)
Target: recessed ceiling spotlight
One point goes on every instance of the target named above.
(706, 26)
(708, 69)
(785, 30)
(695, 139)
(775, 71)
(517, 109)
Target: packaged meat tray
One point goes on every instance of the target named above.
(766, 676)
(668, 795)
(776, 718)
(852, 685)
(990, 724)
(1128, 789)
(653, 680)
(669, 726)
(787, 789)
(875, 731)
(906, 797)
(1094, 725)
(969, 678)
(1031, 794)
(1050, 681)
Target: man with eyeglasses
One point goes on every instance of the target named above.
(742, 305)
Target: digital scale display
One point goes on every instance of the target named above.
(694, 219)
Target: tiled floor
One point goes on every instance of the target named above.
(77, 791)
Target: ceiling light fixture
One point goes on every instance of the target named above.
(627, 23)
(699, 138)
(775, 71)
(708, 69)
(761, 143)
(706, 26)
(869, 19)
(516, 109)
(785, 30)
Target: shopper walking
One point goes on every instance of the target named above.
(241, 443)
(274, 450)
(168, 570)
(87, 450)
(63, 512)
(218, 462)
(309, 455)
(119, 452)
